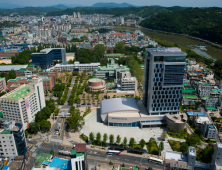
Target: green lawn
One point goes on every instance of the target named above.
(175, 145)
(177, 135)
(152, 148)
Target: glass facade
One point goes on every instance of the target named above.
(163, 94)
(20, 142)
(44, 60)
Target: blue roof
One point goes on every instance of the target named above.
(196, 113)
(5, 168)
(46, 162)
(60, 163)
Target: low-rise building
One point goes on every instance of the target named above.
(113, 55)
(77, 67)
(2, 84)
(208, 130)
(129, 84)
(23, 103)
(96, 84)
(12, 138)
(18, 81)
(111, 70)
(180, 161)
(8, 53)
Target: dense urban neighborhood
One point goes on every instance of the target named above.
(96, 91)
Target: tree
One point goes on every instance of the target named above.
(33, 128)
(118, 139)
(100, 50)
(161, 146)
(110, 163)
(52, 152)
(184, 148)
(125, 141)
(109, 51)
(206, 154)
(111, 139)
(45, 125)
(91, 137)
(123, 165)
(98, 137)
(105, 137)
(193, 140)
(142, 143)
(132, 142)
(164, 135)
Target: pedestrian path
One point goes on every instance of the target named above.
(157, 135)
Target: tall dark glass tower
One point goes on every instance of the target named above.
(163, 80)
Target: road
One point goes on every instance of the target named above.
(95, 156)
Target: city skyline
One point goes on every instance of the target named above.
(188, 3)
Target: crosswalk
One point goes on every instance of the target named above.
(56, 140)
(70, 140)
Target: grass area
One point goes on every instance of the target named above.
(175, 145)
(84, 137)
(152, 148)
(177, 135)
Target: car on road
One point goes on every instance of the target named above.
(74, 146)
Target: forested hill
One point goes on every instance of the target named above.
(145, 11)
(204, 23)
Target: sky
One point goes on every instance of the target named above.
(167, 3)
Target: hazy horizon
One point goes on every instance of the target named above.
(187, 3)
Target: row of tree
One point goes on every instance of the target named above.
(75, 121)
(97, 140)
(41, 117)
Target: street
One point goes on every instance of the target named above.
(95, 156)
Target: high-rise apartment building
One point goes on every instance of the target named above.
(74, 15)
(12, 138)
(22, 104)
(163, 80)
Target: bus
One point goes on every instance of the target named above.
(155, 160)
(113, 152)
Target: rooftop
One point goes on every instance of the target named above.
(1, 78)
(190, 97)
(12, 67)
(18, 93)
(188, 90)
(211, 108)
(175, 156)
(121, 104)
(17, 78)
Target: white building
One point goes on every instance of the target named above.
(77, 66)
(12, 135)
(22, 104)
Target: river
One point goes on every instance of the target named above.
(183, 41)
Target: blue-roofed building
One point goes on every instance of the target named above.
(195, 114)
(46, 57)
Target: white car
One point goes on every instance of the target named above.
(74, 146)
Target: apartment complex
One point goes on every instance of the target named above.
(46, 57)
(77, 66)
(18, 81)
(163, 80)
(12, 138)
(2, 84)
(27, 71)
(23, 103)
